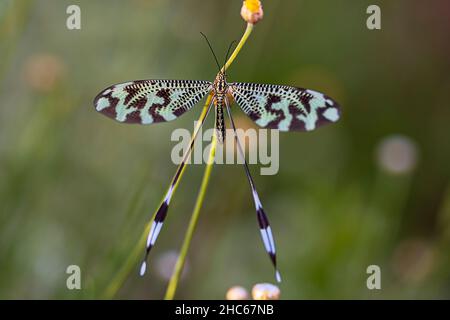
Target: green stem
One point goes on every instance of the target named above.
(173, 283)
(248, 31)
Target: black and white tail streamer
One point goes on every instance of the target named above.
(263, 221)
(161, 214)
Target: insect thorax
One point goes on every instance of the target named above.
(220, 85)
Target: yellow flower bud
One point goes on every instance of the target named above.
(252, 11)
(265, 291)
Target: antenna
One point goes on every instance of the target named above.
(210, 47)
(226, 57)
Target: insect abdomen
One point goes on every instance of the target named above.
(220, 123)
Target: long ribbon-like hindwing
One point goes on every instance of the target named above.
(161, 214)
(263, 221)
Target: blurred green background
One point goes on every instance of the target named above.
(78, 188)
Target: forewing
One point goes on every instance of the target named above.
(150, 101)
(283, 107)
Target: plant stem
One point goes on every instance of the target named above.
(174, 279)
(241, 43)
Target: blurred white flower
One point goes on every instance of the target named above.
(237, 293)
(265, 291)
(165, 264)
(397, 154)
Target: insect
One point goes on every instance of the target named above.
(279, 107)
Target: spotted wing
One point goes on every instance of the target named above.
(283, 107)
(150, 101)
